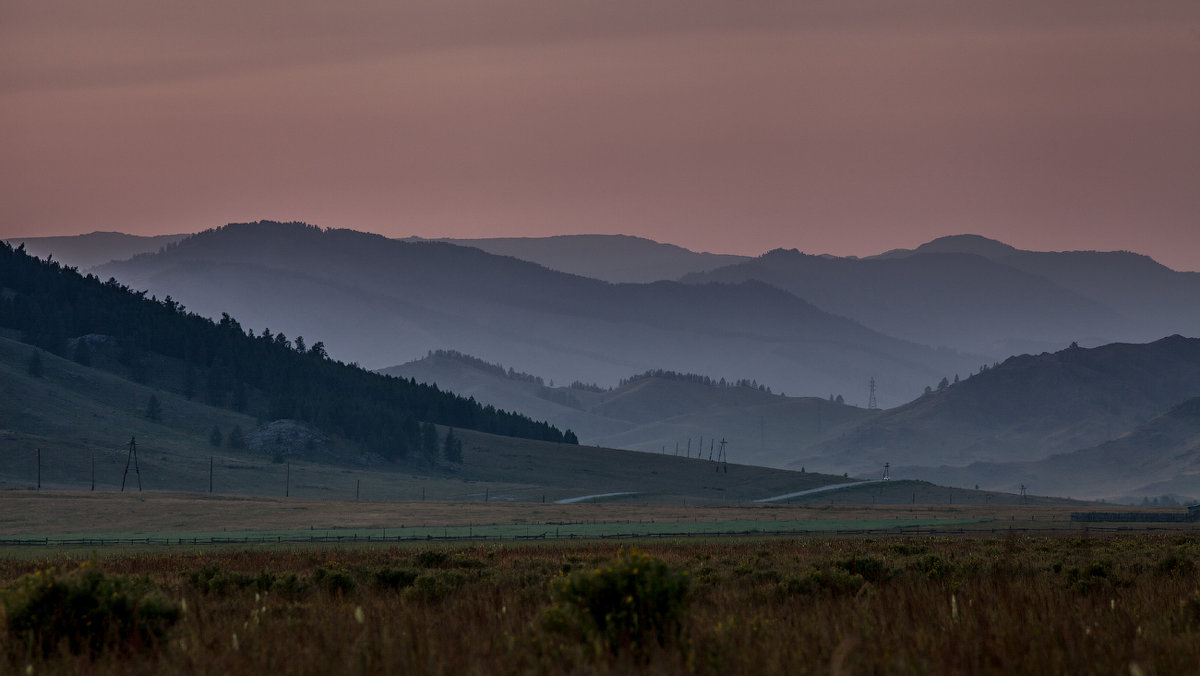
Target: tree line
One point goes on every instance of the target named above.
(263, 374)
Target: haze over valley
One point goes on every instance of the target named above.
(776, 355)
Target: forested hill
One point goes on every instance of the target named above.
(265, 375)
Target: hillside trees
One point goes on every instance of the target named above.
(452, 447)
(266, 375)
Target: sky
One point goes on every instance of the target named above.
(832, 126)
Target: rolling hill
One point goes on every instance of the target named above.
(657, 412)
(1159, 457)
(77, 422)
(1028, 408)
(380, 302)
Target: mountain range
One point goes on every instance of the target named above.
(381, 302)
(612, 258)
(813, 326)
(981, 296)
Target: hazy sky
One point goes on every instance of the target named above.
(843, 126)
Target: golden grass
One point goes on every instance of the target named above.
(983, 604)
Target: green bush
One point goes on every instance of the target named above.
(830, 581)
(86, 612)
(627, 604)
(437, 586)
(335, 579)
(1176, 564)
(218, 580)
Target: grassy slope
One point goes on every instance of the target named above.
(73, 412)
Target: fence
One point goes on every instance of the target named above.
(547, 536)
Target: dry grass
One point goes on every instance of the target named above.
(1009, 604)
(31, 512)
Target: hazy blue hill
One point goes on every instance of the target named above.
(956, 299)
(1028, 408)
(967, 244)
(1159, 457)
(653, 413)
(1154, 298)
(612, 258)
(85, 251)
(380, 302)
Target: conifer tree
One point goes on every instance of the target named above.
(452, 447)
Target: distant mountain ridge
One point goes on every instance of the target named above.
(95, 248)
(379, 301)
(1157, 300)
(612, 258)
(953, 299)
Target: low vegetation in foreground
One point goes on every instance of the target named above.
(1113, 604)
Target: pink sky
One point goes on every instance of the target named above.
(840, 126)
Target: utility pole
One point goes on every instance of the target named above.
(93, 470)
(132, 457)
(210, 473)
(723, 459)
(357, 485)
(710, 450)
(39, 465)
(287, 486)
(871, 403)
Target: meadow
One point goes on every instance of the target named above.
(1006, 603)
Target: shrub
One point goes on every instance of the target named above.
(932, 566)
(393, 578)
(337, 580)
(435, 587)
(86, 612)
(832, 581)
(432, 558)
(217, 580)
(1176, 564)
(627, 604)
(870, 568)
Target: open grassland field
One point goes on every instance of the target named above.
(1112, 604)
(83, 519)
